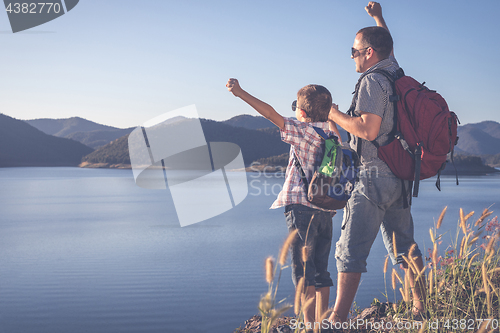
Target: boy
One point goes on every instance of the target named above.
(314, 224)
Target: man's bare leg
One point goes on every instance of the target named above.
(418, 289)
(347, 286)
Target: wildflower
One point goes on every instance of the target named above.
(493, 225)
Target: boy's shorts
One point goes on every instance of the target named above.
(376, 203)
(314, 229)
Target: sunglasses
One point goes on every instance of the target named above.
(353, 50)
(295, 107)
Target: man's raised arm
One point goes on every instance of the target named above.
(375, 10)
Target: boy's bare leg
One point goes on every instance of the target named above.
(322, 297)
(309, 312)
(418, 289)
(347, 286)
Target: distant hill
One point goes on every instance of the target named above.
(254, 144)
(260, 141)
(249, 122)
(468, 165)
(114, 153)
(490, 127)
(85, 131)
(23, 145)
(259, 122)
(479, 139)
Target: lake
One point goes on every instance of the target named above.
(86, 250)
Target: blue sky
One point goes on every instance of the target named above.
(123, 62)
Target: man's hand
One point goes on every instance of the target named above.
(331, 123)
(374, 9)
(234, 87)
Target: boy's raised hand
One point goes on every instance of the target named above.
(261, 107)
(374, 9)
(234, 86)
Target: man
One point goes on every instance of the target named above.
(378, 200)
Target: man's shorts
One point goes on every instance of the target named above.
(376, 203)
(314, 230)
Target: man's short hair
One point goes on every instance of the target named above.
(378, 38)
(316, 101)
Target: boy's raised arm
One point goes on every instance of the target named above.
(261, 107)
(374, 9)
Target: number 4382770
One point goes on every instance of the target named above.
(33, 8)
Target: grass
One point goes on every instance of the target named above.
(462, 283)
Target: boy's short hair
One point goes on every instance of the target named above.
(316, 101)
(378, 38)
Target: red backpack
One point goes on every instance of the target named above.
(424, 131)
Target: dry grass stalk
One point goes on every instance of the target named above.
(286, 246)
(474, 240)
(490, 256)
(440, 286)
(485, 214)
(441, 217)
(413, 264)
(298, 294)
(421, 275)
(325, 315)
(397, 276)
(393, 279)
(269, 269)
(493, 271)
(431, 281)
(468, 216)
(395, 248)
(486, 288)
(471, 260)
(407, 286)
(403, 294)
(412, 249)
(434, 256)
(431, 233)
(266, 303)
(385, 264)
(308, 303)
(462, 220)
(489, 247)
(462, 246)
(305, 253)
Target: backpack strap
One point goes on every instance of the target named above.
(302, 174)
(296, 162)
(321, 133)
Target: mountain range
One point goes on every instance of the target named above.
(23, 145)
(479, 139)
(87, 132)
(70, 141)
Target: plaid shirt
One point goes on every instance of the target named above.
(306, 144)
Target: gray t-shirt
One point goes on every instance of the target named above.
(373, 96)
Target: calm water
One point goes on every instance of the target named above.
(85, 250)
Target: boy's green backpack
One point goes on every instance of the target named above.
(333, 180)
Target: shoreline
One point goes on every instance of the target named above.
(471, 171)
